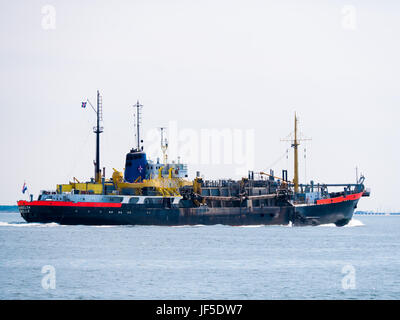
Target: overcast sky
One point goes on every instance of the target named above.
(240, 66)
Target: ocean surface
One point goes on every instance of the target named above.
(50, 261)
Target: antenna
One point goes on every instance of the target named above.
(356, 174)
(97, 130)
(138, 114)
(164, 145)
(305, 164)
(134, 125)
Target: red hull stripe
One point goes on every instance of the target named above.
(69, 204)
(354, 196)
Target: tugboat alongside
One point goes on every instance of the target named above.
(155, 193)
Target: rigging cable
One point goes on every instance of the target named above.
(279, 159)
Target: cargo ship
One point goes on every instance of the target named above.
(160, 193)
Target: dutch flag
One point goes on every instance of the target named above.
(24, 188)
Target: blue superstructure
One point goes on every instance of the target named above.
(135, 166)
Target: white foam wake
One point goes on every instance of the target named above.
(252, 226)
(355, 223)
(26, 224)
(189, 226)
(105, 226)
(330, 225)
(352, 223)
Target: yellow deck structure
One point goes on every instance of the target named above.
(165, 186)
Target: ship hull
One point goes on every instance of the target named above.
(338, 213)
(126, 214)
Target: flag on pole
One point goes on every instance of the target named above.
(83, 104)
(24, 188)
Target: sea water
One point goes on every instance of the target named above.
(51, 261)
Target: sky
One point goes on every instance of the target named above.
(225, 78)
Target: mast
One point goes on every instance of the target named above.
(295, 145)
(138, 106)
(164, 145)
(97, 130)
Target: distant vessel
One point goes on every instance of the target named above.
(160, 193)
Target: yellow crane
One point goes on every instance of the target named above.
(270, 175)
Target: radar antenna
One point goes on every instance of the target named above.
(164, 145)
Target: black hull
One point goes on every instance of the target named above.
(155, 216)
(337, 213)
